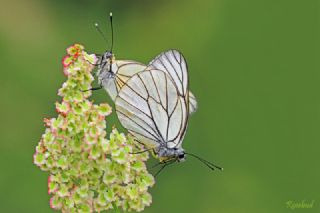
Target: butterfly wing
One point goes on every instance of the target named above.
(149, 107)
(174, 64)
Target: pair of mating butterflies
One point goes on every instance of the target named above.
(153, 101)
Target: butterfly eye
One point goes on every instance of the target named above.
(181, 156)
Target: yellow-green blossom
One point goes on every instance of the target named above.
(88, 170)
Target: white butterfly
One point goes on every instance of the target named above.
(113, 74)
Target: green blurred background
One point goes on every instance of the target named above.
(252, 67)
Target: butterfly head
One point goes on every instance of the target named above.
(105, 59)
(107, 55)
(180, 155)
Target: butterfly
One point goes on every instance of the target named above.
(153, 101)
(153, 105)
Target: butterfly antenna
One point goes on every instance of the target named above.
(207, 163)
(100, 31)
(164, 166)
(111, 24)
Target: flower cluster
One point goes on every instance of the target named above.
(87, 171)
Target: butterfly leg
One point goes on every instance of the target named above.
(139, 152)
(165, 164)
(157, 164)
(143, 151)
(91, 89)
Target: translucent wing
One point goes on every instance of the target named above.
(149, 106)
